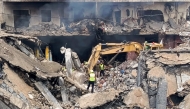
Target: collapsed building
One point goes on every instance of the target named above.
(101, 21)
(156, 79)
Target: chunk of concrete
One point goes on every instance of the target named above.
(97, 99)
(137, 97)
(174, 59)
(134, 73)
(172, 23)
(157, 72)
(3, 105)
(63, 90)
(79, 77)
(16, 101)
(47, 94)
(172, 84)
(185, 104)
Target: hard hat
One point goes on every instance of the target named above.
(91, 71)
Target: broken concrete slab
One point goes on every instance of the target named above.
(18, 36)
(3, 105)
(137, 97)
(156, 72)
(173, 23)
(47, 94)
(157, 26)
(185, 104)
(79, 77)
(92, 100)
(18, 59)
(174, 58)
(172, 84)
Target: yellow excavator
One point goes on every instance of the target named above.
(113, 48)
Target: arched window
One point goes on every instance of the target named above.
(127, 12)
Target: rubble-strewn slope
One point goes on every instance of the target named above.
(19, 59)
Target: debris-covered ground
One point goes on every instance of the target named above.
(157, 79)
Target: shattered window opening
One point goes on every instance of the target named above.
(46, 15)
(128, 12)
(153, 15)
(21, 18)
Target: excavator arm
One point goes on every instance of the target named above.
(112, 49)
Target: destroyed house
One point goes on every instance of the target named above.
(103, 21)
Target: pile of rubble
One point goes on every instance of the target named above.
(185, 45)
(122, 77)
(151, 81)
(86, 26)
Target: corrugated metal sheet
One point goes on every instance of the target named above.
(96, 0)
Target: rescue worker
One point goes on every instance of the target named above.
(102, 69)
(92, 80)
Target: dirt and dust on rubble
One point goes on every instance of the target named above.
(156, 79)
(102, 26)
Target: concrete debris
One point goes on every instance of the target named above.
(85, 26)
(19, 59)
(31, 83)
(156, 72)
(137, 97)
(172, 23)
(185, 104)
(47, 94)
(92, 100)
(156, 26)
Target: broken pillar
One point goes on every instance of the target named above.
(139, 73)
(68, 62)
(63, 90)
(47, 94)
(76, 61)
(161, 97)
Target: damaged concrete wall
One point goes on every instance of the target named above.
(34, 12)
(113, 18)
(180, 7)
(170, 66)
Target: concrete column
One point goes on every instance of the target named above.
(63, 90)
